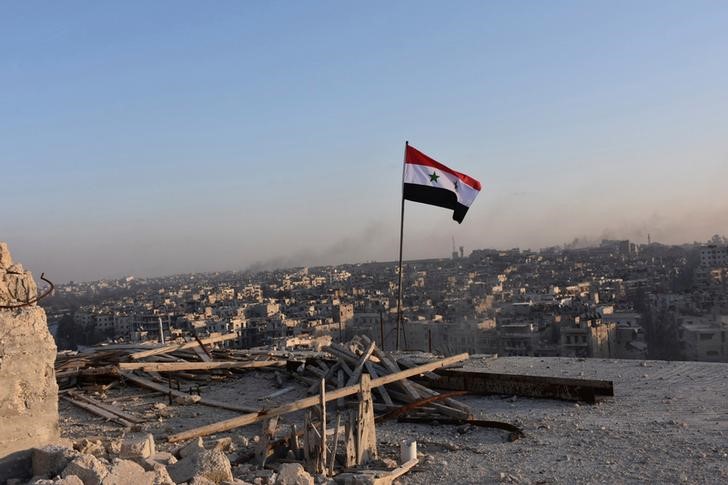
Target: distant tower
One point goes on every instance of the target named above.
(454, 251)
(649, 239)
(462, 252)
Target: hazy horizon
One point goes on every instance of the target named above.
(161, 138)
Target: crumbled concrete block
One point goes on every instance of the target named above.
(137, 446)
(88, 468)
(212, 464)
(6, 260)
(161, 458)
(91, 447)
(126, 472)
(223, 444)
(113, 447)
(187, 399)
(293, 474)
(51, 460)
(189, 449)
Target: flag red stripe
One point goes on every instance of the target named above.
(416, 157)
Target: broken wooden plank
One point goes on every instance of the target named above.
(356, 374)
(311, 401)
(267, 435)
(382, 390)
(183, 366)
(188, 345)
(322, 400)
(366, 436)
(335, 445)
(98, 411)
(107, 407)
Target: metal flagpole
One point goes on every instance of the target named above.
(401, 236)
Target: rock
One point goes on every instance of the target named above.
(51, 460)
(293, 474)
(159, 459)
(165, 458)
(223, 444)
(137, 446)
(17, 287)
(6, 260)
(126, 472)
(198, 480)
(113, 447)
(187, 399)
(210, 464)
(89, 447)
(88, 468)
(16, 268)
(189, 449)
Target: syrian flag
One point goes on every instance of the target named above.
(430, 182)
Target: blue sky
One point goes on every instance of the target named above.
(159, 137)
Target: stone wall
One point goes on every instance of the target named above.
(28, 389)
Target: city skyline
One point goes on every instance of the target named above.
(259, 134)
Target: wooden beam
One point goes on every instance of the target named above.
(322, 400)
(366, 436)
(98, 411)
(172, 348)
(311, 401)
(183, 366)
(360, 365)
(106, 407)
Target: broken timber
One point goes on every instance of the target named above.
(173, 348)
(182, 366)
(481, 382)
(311, 401)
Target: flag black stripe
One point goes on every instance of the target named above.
(437, 196)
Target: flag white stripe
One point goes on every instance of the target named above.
(420, 175)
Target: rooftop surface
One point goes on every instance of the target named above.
(668, 423)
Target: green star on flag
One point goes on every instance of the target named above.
(434, 177)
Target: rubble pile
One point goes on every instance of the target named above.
(347, 377)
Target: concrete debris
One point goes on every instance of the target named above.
(293, 474)
(223, 444)
(137, 446)
(127, 472)
(211, 464)
(6, 259)
(88, 468)
(187, 399)
(192, 448)
(91, 447)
